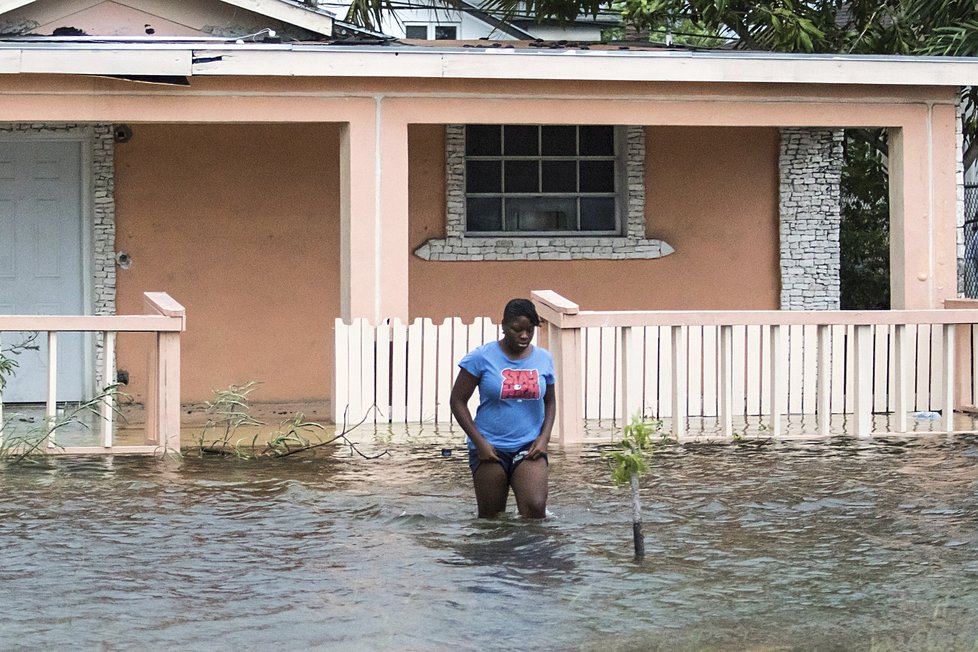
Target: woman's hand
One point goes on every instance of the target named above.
(538, 447)
(485, 451)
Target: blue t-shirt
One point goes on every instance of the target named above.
(511, 393)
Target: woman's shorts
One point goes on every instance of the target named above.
(508, 459)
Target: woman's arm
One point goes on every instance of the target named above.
(539, 445)
(465, 384)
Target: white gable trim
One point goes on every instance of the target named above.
(289, 12)
(286, 11)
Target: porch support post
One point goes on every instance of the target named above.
(923, 209)
(374, 217)
(565, 347)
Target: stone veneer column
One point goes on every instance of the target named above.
(810, 170)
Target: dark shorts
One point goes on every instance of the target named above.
(509, 459)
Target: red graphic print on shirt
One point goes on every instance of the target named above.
(521, 384)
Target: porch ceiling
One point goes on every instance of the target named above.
(209, 58)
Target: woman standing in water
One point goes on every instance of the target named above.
(509, 436)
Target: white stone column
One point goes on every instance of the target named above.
(810, 167)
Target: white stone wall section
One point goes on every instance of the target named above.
(810, 171)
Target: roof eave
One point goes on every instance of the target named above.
(321, 60)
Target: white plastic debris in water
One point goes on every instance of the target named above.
(926, 416)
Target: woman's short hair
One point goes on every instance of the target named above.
(517, 308)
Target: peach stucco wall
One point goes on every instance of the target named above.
(712, 193)
(240, 223)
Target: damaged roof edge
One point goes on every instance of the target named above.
(379, 61)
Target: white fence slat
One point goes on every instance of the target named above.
(881, 349)
(592, 351)
(446, 372)
(937, 364)
(616, 411)
(108, 378)
(51, 407)
(459, 349)
(738, 370)
(752, 376)
(850, 371)
(606, 405)
(823, 356)
(679, 386)
(653, 373)
(356, 372)
(399, 337)
(947, 376)
(901, 376)
(382, 382)
(710, 370)
(341, 370)
(415, 338)
(837, 337)
(694, 371)
(921, 362)
(429, 370)
(796, 370)
(809, 389)
(490, 331)
(765, 370)
(776, 378)
(368, 374)
(862, 376)
(726, 381)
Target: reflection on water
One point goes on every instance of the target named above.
(837, 544)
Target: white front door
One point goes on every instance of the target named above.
(41, 263)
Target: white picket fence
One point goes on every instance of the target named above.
(407, 371)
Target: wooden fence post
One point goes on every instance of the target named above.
(163, 396)
(565, 347)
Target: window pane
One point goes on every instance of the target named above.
(559, 176)
(521, 140)
(445, 32)
(522, 176)
(483, 140)
(597, 214)
(483, 176)
(484, 214)
(597, 176)
(597, 141)
(416, 31)
(541, 214)
(559, 141)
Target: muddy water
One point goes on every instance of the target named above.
(835, 544)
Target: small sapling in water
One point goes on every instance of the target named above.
(629, 463)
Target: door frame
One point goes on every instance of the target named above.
(81, 134)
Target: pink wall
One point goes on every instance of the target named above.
(712, 193)
(241, 225)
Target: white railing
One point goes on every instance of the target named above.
(404, 371)
(167, 319)
(732, 365)
(765, 363)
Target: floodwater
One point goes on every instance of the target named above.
(793, 545)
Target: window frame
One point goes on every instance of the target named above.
(430, 30)
(618, 194)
